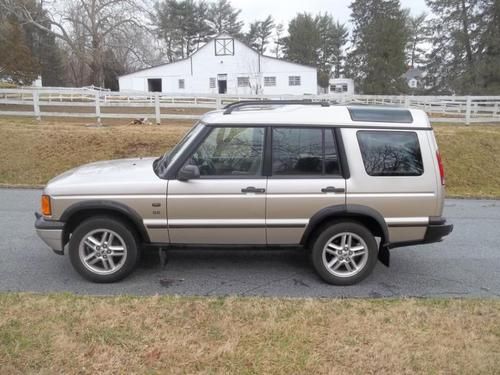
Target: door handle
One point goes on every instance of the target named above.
(332, 189)
(252, 189)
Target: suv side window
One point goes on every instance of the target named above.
(229, 151)
(304, 151)
(390, 153)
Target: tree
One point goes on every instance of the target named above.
(332, 38)
(377, 57)
(418, 35)
(488, 69)
(182, 25)
(259, 34)
(278, 40)
(96, 20)
(250, 37)
(302, 43)
(316, 41)
(223, 18)
(18, 64)
(465, 54)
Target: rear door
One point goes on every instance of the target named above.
(392, 171)
(305, 177)
(226, 205)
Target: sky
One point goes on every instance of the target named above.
(284, 10)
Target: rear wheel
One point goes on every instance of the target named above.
(344, 253)
(103, 250)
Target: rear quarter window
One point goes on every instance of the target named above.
(390, 153)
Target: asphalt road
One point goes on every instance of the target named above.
(465, 264)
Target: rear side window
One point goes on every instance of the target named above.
(390, 153)
(304, 151)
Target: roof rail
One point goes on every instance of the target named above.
(248, 103)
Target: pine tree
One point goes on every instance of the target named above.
(182, 25)
(418, 35)
(456, 33)
(377, 58)
(223, 18)
(316, 41)
(259, 34)
(17, 64)
(488, 69)
(278, 40)
(303, 40)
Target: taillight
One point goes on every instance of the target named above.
(46, 206)
(441, 168)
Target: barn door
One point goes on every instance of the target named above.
(222, 83)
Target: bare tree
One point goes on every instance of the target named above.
(86, 27)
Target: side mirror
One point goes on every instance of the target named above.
(188, 172)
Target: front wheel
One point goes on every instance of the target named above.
(344, 253)
(103, 250)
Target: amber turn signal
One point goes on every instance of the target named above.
(46, 207)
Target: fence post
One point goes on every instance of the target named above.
(157, 108)
(218, 102)
(467, 110)
(407, 101)
(98, 108)
(36, 105)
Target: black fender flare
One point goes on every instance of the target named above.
(347, 211)
(107, 205)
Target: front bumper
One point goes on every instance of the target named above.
(51, 232)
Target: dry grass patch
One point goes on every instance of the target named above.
(32, 153)
(471, 155)
(69, 334)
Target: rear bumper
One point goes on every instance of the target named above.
(436, 230)
(51, 232)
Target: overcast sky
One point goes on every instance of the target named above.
(284, 10)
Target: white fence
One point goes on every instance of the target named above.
(98, 104)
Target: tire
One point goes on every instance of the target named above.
(97, 259)
(340, 265)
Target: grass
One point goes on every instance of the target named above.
(471, 155)
(68, 334)
(32, 152)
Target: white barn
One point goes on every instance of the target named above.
(224, 65)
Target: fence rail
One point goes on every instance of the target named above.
(98, 104)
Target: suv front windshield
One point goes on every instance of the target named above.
(161, 164)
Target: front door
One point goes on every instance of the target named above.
(306, 177)
(227, 204)
(222, 83)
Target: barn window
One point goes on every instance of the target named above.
(243, 82)
(212, 83)
(181, 83)
(224, 47)
(269, 81)
(293, 80)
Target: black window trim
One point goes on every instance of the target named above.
(171, 172)
(209, 128)
(391, 131)
(340, 156)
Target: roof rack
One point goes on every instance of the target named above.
(248, 103)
